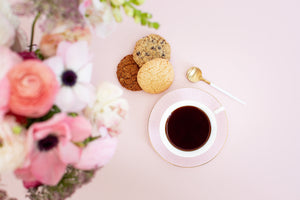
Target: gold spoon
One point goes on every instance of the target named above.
(194, 75)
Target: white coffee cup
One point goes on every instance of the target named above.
(213, 132)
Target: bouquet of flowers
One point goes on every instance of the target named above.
(56, 128)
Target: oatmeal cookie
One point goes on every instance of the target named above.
(156, 76)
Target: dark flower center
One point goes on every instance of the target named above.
(1, 142)
(69, 78)
(48, 143)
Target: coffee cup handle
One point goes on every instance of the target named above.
(218, 110)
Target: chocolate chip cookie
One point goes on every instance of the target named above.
(127, 73)
(150, 47)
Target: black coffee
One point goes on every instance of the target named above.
(188, 128)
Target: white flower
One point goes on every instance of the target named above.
(6, 11)
(8, 25)
(98, 16)
(7, 32)
(12, 145)
(108, 110)
(73, 68)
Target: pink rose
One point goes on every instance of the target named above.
(33, 88)
(52, 148)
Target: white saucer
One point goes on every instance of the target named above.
(186, 95)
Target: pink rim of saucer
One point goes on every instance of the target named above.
(184, 94)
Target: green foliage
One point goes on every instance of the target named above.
(50, 114)
(130, 10)
(39, 54)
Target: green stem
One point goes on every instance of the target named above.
(32, 30)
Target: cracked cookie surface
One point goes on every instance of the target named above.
(156, 76)
(127, 73)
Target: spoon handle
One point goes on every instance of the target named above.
(228, 94)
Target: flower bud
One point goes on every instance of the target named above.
(138, 2)
(117, 14)
(129, 10)
(118, 2)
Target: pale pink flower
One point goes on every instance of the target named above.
(7, 61)
(108, 110)
(98, 153)
(98, 16)
(73, 68)
(52, 148)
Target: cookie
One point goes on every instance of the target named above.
(156, 76)
(127, 60)
(150, 47)
(127, 73)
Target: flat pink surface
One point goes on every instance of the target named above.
(250, 48)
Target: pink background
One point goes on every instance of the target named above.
(250, 48)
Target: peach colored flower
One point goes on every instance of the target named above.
(33, 88)
(49, 42)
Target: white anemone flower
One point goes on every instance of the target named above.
(73, 68)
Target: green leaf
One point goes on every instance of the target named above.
(39, 54)
(137, 2)
(50, 114)
(144, 21)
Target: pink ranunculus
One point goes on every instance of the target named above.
(33, 88)
(52, 148)
(98, 153)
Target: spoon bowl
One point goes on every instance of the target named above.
(194, 74)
